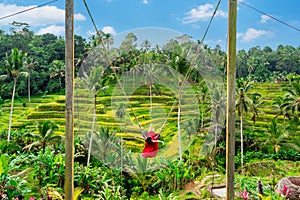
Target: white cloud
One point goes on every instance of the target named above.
(89, 32)
(202, 13)
(252, 34)
(145, 1)
(79, 17)
(42, 16)
(239, 35)
(105, 29)
(264, 19)
(109, 29)
(56, 30)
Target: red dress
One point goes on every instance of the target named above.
(151, 148)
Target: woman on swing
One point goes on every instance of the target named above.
(151, 144)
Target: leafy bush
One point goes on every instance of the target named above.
(290, 155)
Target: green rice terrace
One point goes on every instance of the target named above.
(52, 107)
(257, 166)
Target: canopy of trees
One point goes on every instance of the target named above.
(46, 54)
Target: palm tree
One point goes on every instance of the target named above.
(218, 109)
(243, 103)
(146, 45)
(292, 99)
(178, 119)
(190, 127)
(57, 68)
(277, 137)
(277, 106)
(94, 83)
(14, 68)
(135, 70)
(45, 137)
(106, 142)
(204, 91)
(219, 105)
(257, 101)
(108, 40)
(121, 111)
(150, 77)
(30, 64)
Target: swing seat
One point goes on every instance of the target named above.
(151, 148)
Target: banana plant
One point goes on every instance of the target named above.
(173, 175)
(55, 195)
(111, 192)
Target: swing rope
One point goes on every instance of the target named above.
(114, 71)
(128, 101)
(182, 84)
(198, 49)
(190, 67)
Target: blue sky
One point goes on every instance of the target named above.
(187, 17)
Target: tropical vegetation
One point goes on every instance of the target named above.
(124, 91)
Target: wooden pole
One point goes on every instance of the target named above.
(69, 61)
(230, 110)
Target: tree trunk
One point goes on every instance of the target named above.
(202, 113)
(92, 132)
(28, 86)
(242, 144)
(11, 108)
(230, 110)
(150, 107)
(69, 81)
(216, 134)
(178, 124)
(59, 80)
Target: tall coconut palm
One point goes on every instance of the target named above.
(203, 95)
(57, 69)
(14, 65)
(135, 70)
(145, 46)
(243, 103)
(94, 82)
(218, 109)
(150, 77)
(30, 64)
(257, 101)
(121, 111)
(292, 99)
(178, 119)
(277, 106)
(45, 137)
(277, 136)
(190, 127)
(106, 140)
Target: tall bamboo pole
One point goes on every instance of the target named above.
(69, 60)
(230, 110)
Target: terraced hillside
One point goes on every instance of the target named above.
(25, 115)
(269, 92)
(52, 107)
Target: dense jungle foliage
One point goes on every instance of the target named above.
(45, 60)
(32, 155)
